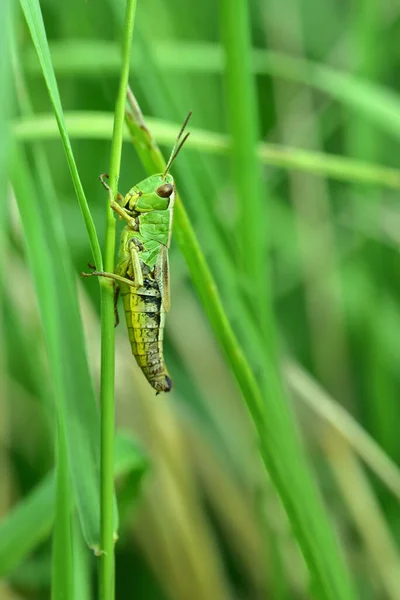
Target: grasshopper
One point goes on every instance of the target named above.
(142, 272)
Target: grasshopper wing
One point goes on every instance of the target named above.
(161, 273)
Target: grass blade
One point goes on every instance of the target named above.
(89, 125)
(31, 520)
(62, 580)
(241, 101)
(84, 458)
(62, 326)
(28, 524)
(133, 465)
(377, 103)
(34, 19)
(81, 565)
(107, 329)
(5, 108)
(332, 413)
(369, 520)
(62, 574)
(5, 135)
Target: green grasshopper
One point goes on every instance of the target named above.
(142, 272)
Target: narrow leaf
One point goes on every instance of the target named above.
(31, 520)
(58, 305)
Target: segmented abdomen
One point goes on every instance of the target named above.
(145, 318)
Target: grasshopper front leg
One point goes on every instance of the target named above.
(102, 178)
(114, 205)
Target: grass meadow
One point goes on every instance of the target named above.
(271, 469)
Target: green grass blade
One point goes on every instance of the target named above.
(319, 401)
(89, 125)
(58, 305)
(62, 573)
(277, 437)
(62, 544)
(134, 465)
(129, 456)
(107, 329)
(83, 447)
(252, 238)
(376, 102)
(5, 135)
(365, 142)
(34, 19)
(31, 520)
(62, 579)
(5, 105)
(373, 529)
(28, 525)
(81, 565)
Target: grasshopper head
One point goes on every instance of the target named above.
(157, 192)
(154, 193)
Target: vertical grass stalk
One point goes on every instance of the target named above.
(62, 573)
(43, 229)
(34, 19)
(5, 111)
(243, 121)
(107, 330)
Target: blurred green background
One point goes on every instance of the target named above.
(206, 523)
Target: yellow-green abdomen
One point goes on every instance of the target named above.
(145, 319)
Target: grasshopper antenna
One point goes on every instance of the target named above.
(178, 145)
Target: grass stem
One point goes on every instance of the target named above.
(107, 331)
(252, 239)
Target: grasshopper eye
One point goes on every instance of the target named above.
(165, 190)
